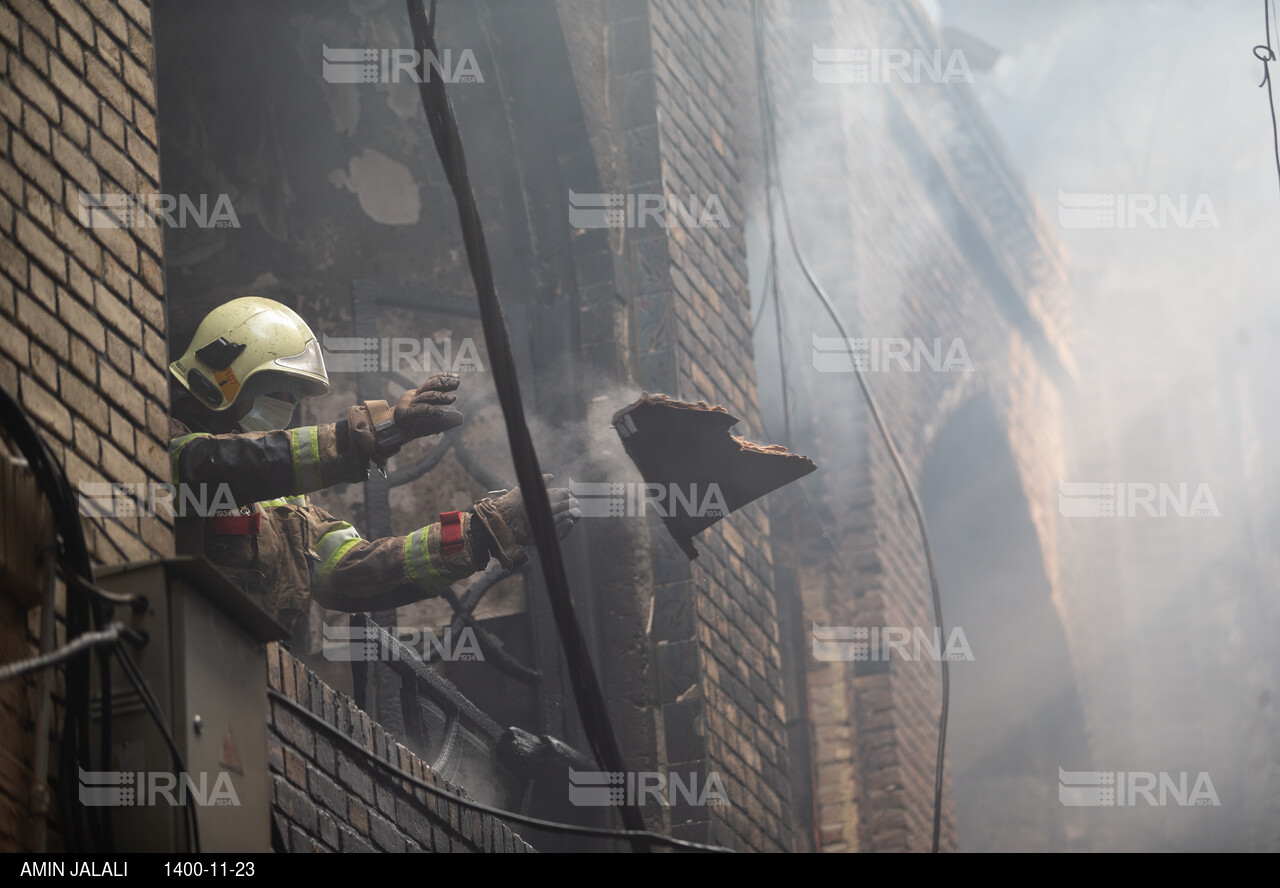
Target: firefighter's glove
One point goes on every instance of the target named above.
(380, 430)
(426, 411)
(506, 524)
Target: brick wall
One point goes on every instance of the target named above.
(913, 218)
(693, 655)
(82, 316)
(325, 796)
(84, 331)
(702, 66)
(688, 654)
(663, 88)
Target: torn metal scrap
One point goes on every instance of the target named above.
(678, 443)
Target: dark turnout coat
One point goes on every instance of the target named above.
(281, 548)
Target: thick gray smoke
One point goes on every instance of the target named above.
(1140, 130)
(1176, 324)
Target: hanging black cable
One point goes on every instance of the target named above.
(769, 183)
(148, 698)
(1267, 55)
(873, 407)
(582, 675)
(81, 826)
(573, 829)
(765, 292)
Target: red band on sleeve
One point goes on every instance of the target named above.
(451, 542)
(236, 525)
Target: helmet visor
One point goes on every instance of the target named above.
(309, 361)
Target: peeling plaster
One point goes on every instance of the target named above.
(385, 187)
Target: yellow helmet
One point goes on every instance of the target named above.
(247, 348)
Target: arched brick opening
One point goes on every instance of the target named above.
(1016, 715)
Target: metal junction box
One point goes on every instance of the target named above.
(207, 667)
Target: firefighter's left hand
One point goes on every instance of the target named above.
(426, 410)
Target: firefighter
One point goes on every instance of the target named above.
(250, 363)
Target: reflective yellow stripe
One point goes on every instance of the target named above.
(306, 459)
(300, 501)
(329, 566)
(175, 450)
(334, 546)
(334, 540)
(417, 559)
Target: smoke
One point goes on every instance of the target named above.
(1149, 114)
(585, 449)
(1174, 333)
(588, 449)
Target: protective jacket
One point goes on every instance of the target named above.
(282, 549)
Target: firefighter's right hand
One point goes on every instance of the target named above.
(565, 512)
(426, 410)
(506, 530)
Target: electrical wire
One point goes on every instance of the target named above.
(1275, 23)
(137, 603)
(873, 407)
(1267, 55)
(773, 282)
(81, 826)
(582, 676)
(813, 509)
(766, 291)
(549, 825)
(90, 603)
(149, 701)
(111, 637)
(90, 640)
